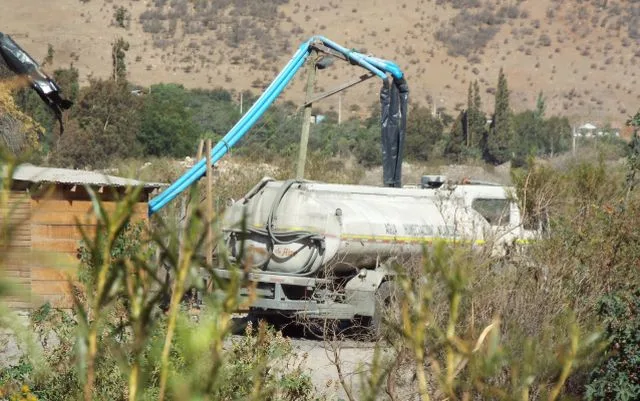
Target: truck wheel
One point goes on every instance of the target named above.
(383, 300)
(239, 324)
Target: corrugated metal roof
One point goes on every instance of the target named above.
(31, 173)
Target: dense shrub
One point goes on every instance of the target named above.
(618, 377)
(468, 32)
(103, 126)
(250, 20)
(425, 135)
(460, 3)
(167, 127)
(152, 26)
(59, 378)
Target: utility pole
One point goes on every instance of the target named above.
(209, 208)
(306, 117)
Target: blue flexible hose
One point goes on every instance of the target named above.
(229, 140)
(378, 66)
(256, 110)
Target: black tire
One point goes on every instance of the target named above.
(239, 325)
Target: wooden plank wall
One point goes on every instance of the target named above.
(42, 254)
(56, 239)
(15, 246)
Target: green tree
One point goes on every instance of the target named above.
(103, 126)
(49, 58)
(67, 79)
(477, 120)
(368, 148)
(500, 137)
(527, 132)
(277, 134)
(470, 110)
(122, 17)
(535, 136)
(424, 133)
(557, 135)
(539, 128)
(634, 122)
(167, 127)
(454, 149)
(31, 104)
(540, 107)
(119, 50)
(213, 111)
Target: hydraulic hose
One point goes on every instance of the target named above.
(289, 237)
(378, 66)
(245, 123)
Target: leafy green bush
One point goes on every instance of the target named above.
(128, 244)
(58, 376)
(260, 362)
(103, 126)
(167, 127)
(618, 377)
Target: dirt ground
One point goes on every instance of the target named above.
(355, 359)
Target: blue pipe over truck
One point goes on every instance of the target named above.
(377, 66)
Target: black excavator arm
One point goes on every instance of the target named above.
(22, 64)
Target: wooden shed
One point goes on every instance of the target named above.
(45, 205)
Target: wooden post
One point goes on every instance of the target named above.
(187, 209)
(209, 200)
(200, 150)
(306, 118)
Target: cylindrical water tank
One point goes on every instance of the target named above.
(298, 227)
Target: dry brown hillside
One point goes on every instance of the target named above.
(583, 54)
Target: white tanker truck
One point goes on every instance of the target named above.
(321, 250)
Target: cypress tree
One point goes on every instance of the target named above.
(477, 101)
(540, 107)
(478, 119)
(455, 145)
(500, 137)
(543, 136)
(470, 116)
(119, 50)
